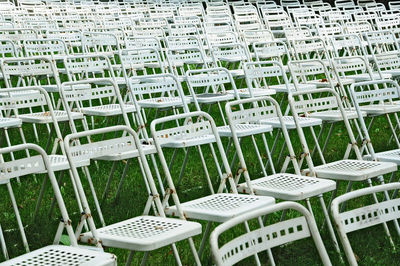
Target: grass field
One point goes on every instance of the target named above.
(370, 245)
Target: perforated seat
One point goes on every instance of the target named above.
(64, 255)
(289, 122)
(244, 93)
(392, 156)
(163, 102)
(144, 233)
(282, 87)
(147, 149)
(325, 84)
(367, 77)
(107, 110)
(379, 109)
(45, 117)
(213, 97)
(6, 122)
(179, 141)
(353, 170)
(289, 186)
(335, 115)
(243, 130)
(221, 207)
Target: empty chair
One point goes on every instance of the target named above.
(36, 162)
(271, 235)
(128, 234)
(352, 219)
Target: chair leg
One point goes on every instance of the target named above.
(3, 245)
(110, 176)
(330, 227)
(205, 237)
(17, 215)
(130, 258)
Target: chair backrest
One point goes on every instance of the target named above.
(36, 162)
(266, 237)
(45, 47)
(80, 67)
(29, 71)
(359, 218)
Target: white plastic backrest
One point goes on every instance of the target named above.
(270, 49)
(150, 31)
(345, 41)
(194, 20)
(182, 29)
(297, 33)
(21, 167)
(42, 46)
(308, 46)
(160, 86)
(27, 68)
(189, 130)
(252, 36)
(141, 42)
(17, 35)
(66, 35)
(357, 27)
(387, 23)
(235, 51)
(101, 148)
(254, 71)
(370, 215)
(381, 37)
(252, 114)
(7, 47)
(228, 37)
(349, 64)
(264, 238)
(315, 104)
(88, 65)
(139, 57)
(208, 79)
(376, 94)
(388, 61)
(99, 39)
(183, 42)
(365, 15)
(186, 56)
(329, 29)
(88, 93)
(307, 69)
(28, 100)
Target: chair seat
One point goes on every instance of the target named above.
(214, 97)
(18, 93)
(243, 130)
(147, 149)
(179, 141)
(335, 115)
(58, 255)
(144, 233)
(322, 83)
(107, 110)
(289, 186)
(244, 93)
(45, 117)
(221, 207)
(392, 156)
(283, 88)
(6, 122)
(289, 122)
(367, 77)
(236, 72)
(163, 102)
(379, 109)
(353, 170)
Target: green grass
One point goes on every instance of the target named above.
(370, 245)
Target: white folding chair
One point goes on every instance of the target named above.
(269, 236)
(198, 129)
(54, 254)
(142, 233)
(357, 218)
